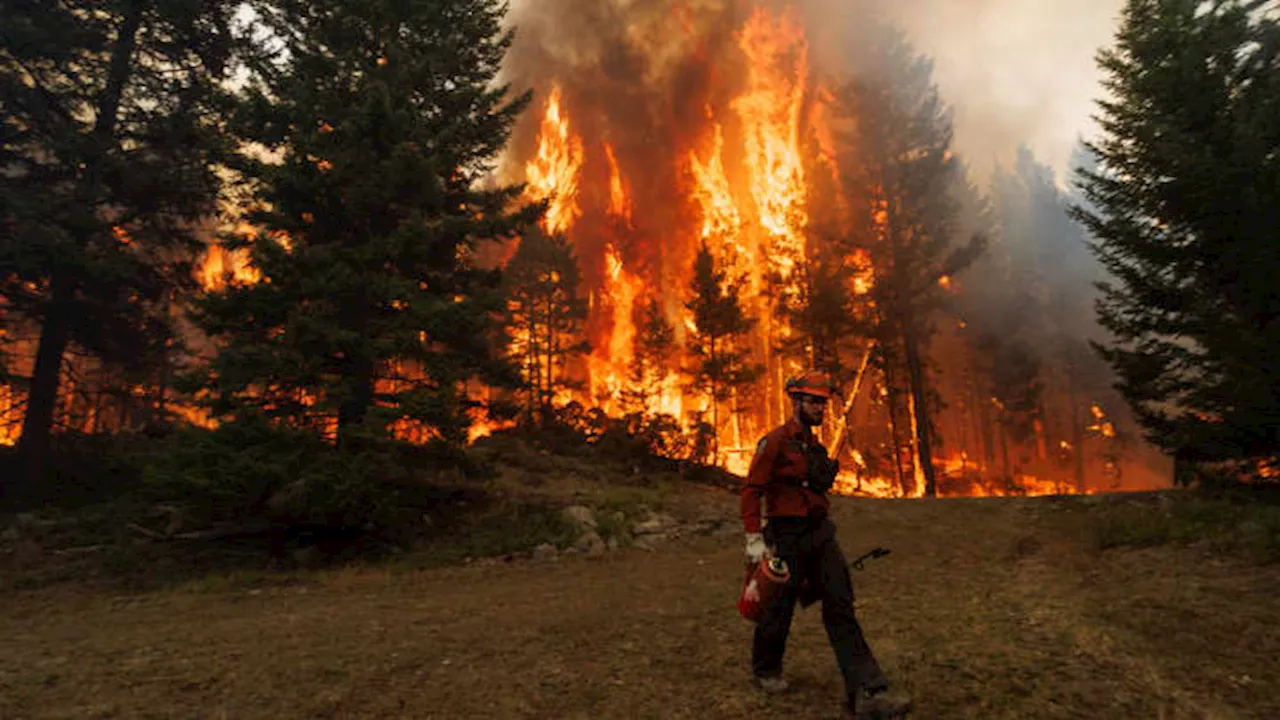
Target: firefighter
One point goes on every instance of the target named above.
(791, 474)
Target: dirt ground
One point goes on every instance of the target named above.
(993, 608)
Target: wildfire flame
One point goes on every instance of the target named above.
(619, 202)
(770, 111)
(554, 173)
(736, 174)
(222, 267)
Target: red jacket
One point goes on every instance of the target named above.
(776, 472)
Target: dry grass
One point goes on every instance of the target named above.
(986, 609)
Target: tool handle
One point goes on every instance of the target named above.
(872, 555)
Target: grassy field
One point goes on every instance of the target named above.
(999, 608)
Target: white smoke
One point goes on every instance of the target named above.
(1015, 71)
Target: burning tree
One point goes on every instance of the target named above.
(1039, 307)
(544, 316)
(370, 312)
(721, 365)
(651, 362)
(110, 140)
(1184, 208)
(899, 161)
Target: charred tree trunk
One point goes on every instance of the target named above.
(915, 377)
(896, 440)
(37, 425)
(1077, 432)
(715, 415)
(55, 335)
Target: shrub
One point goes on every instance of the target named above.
(1245, 528)
(251, 468)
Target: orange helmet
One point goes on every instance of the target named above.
(810, 383)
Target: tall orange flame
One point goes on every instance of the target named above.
(721, 220)
(619, 202)
(771, 113)
(555, 172)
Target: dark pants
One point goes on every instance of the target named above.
(810, 549)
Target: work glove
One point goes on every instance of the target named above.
(756, 547)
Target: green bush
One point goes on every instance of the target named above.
(251, 468)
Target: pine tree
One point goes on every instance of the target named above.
(900, 163)
(545, 315)
(820, 308)
(1184, 209)
(374, 124)
(721, 359)
(654, 349)
(106, 166)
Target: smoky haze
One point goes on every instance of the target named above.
(1016, 72)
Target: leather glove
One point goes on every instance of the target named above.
(756, 548)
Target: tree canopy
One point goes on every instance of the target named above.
(1184, 208)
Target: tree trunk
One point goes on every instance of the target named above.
(893, 427)
(55, 335)
(37, 424)
(355, 406)
(982, 425)
(1077, 432)
(715, 416)
(915, 373)
(547, 400)
(842, 426)
(1004, 448)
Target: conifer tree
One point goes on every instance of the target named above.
(1184, 208)
(900, 163)
(651, 358)
(110, 139)
(722, 363)
(545, 316)
(373, 125)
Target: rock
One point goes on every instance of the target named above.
(544, 552)
(655, 524)
(581, 517)
(706, 527)
(612, 544)
(591, 544)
